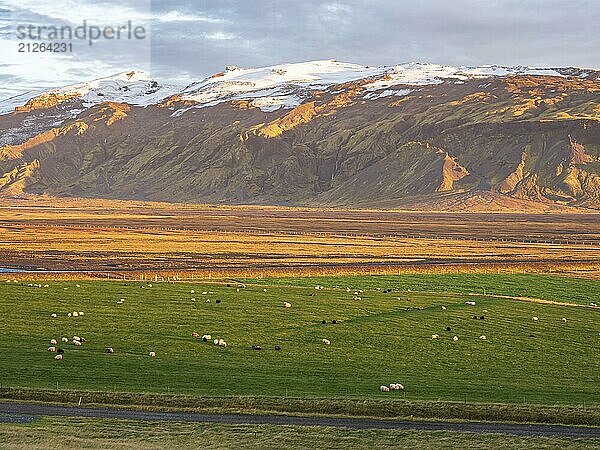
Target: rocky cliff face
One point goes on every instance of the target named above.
(345, 136)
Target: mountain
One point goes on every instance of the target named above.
(320, 133)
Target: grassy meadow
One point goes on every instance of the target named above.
(381, 338)
(68, 433)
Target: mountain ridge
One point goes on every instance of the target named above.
(317, 133)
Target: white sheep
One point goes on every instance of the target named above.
(222, 343)
(216, 342)
(264, 290)
(58, 357)
(455, 338)
(396, 386)
(76, 343)
(482, 337)
(443, 308)
(152, 354)
(470, 303)
(77, 285)
(564, 319)
(75, 314)
(80, 313)
(76, 338)
(64, 339)
(52, 349)
(204, 293)
(535, 318)
(287, 305)
(193, 299)
(593, 304)
(54, 315)
(435, 336)
(69, 314)
(192, 291)
(53, 342)
(383, 388)
(326, 342)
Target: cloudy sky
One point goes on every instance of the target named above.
(190, 39)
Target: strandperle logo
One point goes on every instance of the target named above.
(84, 32)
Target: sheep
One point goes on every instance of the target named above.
(52, 349)
(256, 347)
(192, 291)
(75, 314)
(383, 388)
(69, 314)
(278, 348)
(323, 322)
(149, 285)
(434, 336)
(470, 303)
(593, 304)
(80, 313)
(564, 319)
(216, 342)
(287, 305)
(264, 290)
(396, 386)
(482, 337)
(76, 338)
(205, 293)
(64, 339)
(152, 354)
(54, 315)
(535, 318)
(109, 350)
(455, 338)
(448, 329)
(77, 285)
(46, 286)
(217, 301)
(58, 357)
(193, 299)
(206, 337)
(443, 308)
(53, 342)
(77, 343)
(222, 343)
(121, 301)
(326, 342)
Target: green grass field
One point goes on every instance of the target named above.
(382, 338)
(65, 433)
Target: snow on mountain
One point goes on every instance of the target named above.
(270, 88)
(135, 88)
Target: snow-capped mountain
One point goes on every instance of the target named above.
(316, 133)
(269, 88)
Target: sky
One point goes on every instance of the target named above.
(187, 40)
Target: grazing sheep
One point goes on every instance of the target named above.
(326, 342)
(222, 343)
(77, 285)
(76, 338)
(470, 303)
(192, 291)
(77, 343)
(64, 339)
(109, 350)
(80, 313)
(204, 293)
(193, 299)
(396, 386)
(256, 347)
(216, 342)
(52, 349)
(448, 329)
(443, 308)
(207, 300)
(334, 321)
(195, 335)
(152, 354)
(264, 290)
(278, 348)
(58, 357)
(287, 305)
(53, 342)
(217, 301)
(323, 322)
(75, 314)
(474, 317)
(357, 298)
(535, 318)
(482, 337)
(564, 319)
(69, 314)
(455, 338)
(593, 304)
(384, 388)
(434, 336)
(54, 315)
